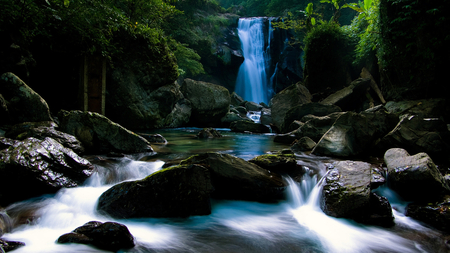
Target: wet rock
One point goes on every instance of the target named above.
(427, 108)
(288, 138)
(5, 223)
(8, 246)
(236, 100)
(154, 138)
(178, 191)
(232, 117)
(7, 142)
(298, 112)
(248, 126)
(34, 167)
(207, 133)
(279, 163)
(292, 96)
(354, 134)
(414, 177)
(378, 178)
(436, 214)
(351, 97)
(100, 135)
(347, 194)
(110, 236)
(209, 102)
(266, 117)
(235, 178)
(304, 144)
(316, 126)
(22, 103)
(180, 114)
(252, 106)
(41, 130)
(418, 134)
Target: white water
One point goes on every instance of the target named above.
(296, 225)
(251, 83)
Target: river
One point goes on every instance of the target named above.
(294, 225)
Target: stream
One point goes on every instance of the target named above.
(294, 225)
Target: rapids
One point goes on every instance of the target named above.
(294, 225)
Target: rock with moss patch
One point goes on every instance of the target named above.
(178, 191)
(280, 163)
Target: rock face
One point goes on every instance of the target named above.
(178, 191)
(134, 106)
(235, 178)
(110, 236)
(41, 130)
(354, 134)
(40, 167)
(315, 126)
(209, 102)
(350, 97)
(414, 177)
(347, 194)
(100, 135)
(298, 112)
(248, 126)
(21, 102)
(288, 98)
(436, 214)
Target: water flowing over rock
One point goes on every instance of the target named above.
(100, 135)
(354, 134)
(8, 246)
(436, 214)
(414, 177)
(294, 95)
(178, 191)
(209, 102)
(235, 178)
(299, 111)
(33, 167)
(23, 104)
(110, 236)
(347, 194)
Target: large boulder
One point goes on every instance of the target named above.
(436, 213)
(23, 104)
(134, 106)
(231, 117)
(110, 236)
(41, 130)
(316, 126)
(100, 135)
(209, 102)
(279, 163)
(351, 97)
(292, 96)
(347, 194)
(248, 126)
(298, 112)
(417, 134)
(428, 108)
(34, 167)
(235, 178)
(354, 133)
(414, 177)
(178, 191)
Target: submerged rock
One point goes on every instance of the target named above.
(178, 191)
(414, 177)
(100, 135)
(347, 194)
(34, 167)
(235, 178)
(207, 133)
(110, 236)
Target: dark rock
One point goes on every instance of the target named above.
(298, 112)
(266, 117)
(288, 138)
(235, 178)
(236, 100)
(110, 236)
(6, 223)
(316, 126)
(248, 126)
(427, 108)
(180, 114)
(41, 166)
(23, 104)
(41, 130)
(288, 98)
(178, 191)
(8, 246)
(351, 97)
(354, 134)
(232, 117)
(242, 110)
(207, 133)
(414, 177)
(378, 178)
(417, 134)
(100, 135)
(279, 163)
(252, 106)
(209, 102)
(154, 138)
(304, 144)
(436, 214)
(347, 194)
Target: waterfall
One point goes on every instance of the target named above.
(251, 83)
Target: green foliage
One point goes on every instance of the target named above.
(188, 60)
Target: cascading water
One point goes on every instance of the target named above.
(295, 225)
(251, 83)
